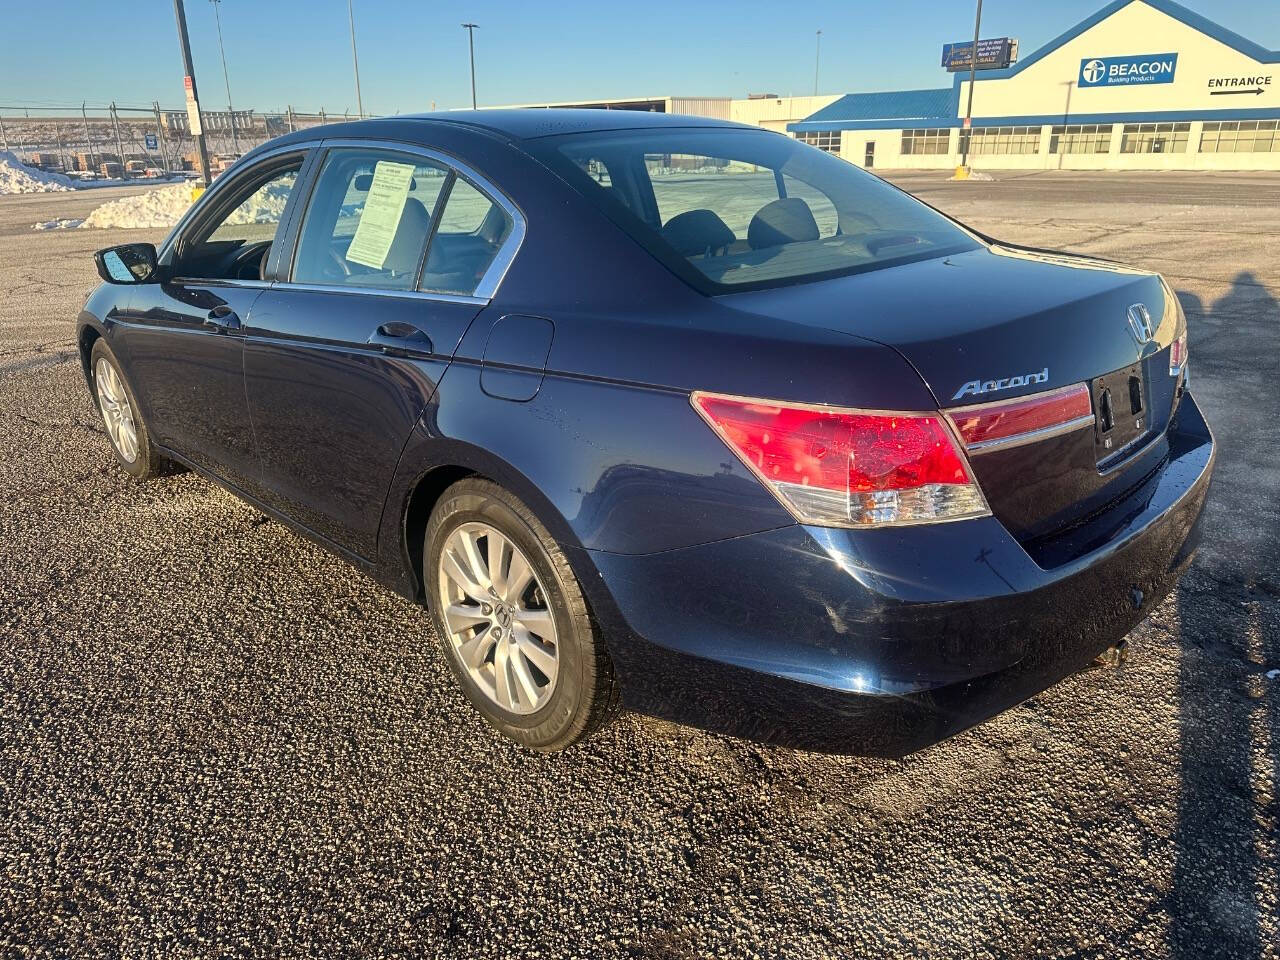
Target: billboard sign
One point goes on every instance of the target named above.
(992, 54)
(1137, 70)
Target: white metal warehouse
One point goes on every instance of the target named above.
(1142, 84)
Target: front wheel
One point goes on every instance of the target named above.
(513, 621)
(130, 440)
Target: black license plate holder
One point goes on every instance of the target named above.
(1121, 417)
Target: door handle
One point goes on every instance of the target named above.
(221, 319)
(398, 339)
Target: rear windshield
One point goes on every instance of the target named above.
(738, 209)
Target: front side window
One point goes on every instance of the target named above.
(730, 209)
(235, 242)
(369, 219)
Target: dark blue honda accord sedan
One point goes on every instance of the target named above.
(669, 413)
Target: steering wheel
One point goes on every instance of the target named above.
(250, 262)
(340, 261)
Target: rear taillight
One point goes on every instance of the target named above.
(1178, 355)
(848, 468)
(1007, 423)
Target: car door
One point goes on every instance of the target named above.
(342, 356)
(185, 334)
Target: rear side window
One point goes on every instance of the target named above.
(369, 220)
(472, 230)
(731, 209)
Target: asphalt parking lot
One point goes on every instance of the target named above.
(216, 739)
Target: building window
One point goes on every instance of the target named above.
(934, 141)
(828, 140)
(1240, 136)
(1155, 138)
(1081, 138)
(1002, 140)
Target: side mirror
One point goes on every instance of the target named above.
(127, 263)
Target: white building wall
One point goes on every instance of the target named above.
(774, 113)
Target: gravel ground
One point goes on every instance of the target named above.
(217, 739)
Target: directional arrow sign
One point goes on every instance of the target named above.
(1228, 93)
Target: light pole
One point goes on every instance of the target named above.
(351, 21)
(966, 132)
(193, 98)
(471, 43)
(235, 140)
(817, 59)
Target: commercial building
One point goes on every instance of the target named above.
(762, 109)
(1142, 84)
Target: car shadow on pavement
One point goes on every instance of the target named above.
(1229, 711)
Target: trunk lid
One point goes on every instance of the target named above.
(1000, 323)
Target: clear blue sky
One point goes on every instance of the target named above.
(413, 53)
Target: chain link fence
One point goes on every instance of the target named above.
(130, 140)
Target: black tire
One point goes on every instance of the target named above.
(585, 696)
(146, 463)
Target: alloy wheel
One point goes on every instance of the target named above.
(498, 619)
(117, 412)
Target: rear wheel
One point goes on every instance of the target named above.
(512, 619)
(130, 440)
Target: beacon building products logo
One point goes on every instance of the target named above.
(1128, 71)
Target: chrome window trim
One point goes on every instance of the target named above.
(379, 292)
(197, 281)
(218, 187)
(492, 279)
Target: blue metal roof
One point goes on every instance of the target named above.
(894, 105)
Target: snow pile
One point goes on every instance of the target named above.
(164, 207)
(155, 208)
(56, 224)
(17, 177)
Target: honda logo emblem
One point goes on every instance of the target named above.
(1140, 323)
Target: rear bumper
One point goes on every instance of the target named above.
(885, 641)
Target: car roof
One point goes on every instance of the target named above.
(532, 122)
(529, 123)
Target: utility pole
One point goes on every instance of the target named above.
(193, 99)
(817, 59)
(115, 125)
(966, 132)
(4, 137)
(88, 139)
(355, 61)
(471, 43)
(57, 139)
(235, 140)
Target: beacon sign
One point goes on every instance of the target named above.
(1128, 71)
